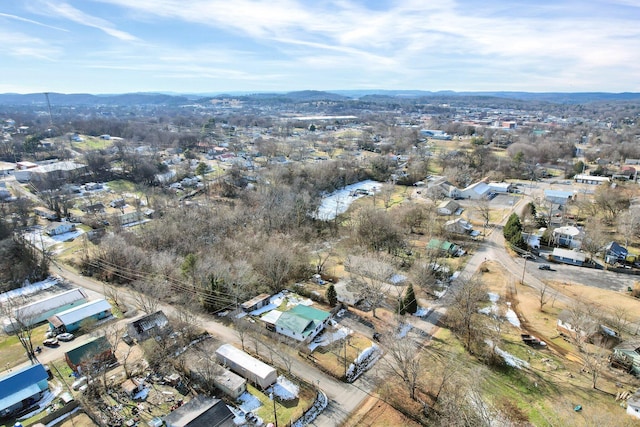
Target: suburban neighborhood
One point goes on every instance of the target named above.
(312, 258)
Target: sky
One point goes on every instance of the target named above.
(217, 46)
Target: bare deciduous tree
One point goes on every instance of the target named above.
(403, 360)
(463, 313)
(369, 276)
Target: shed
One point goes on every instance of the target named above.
(22, 388)
(249, 367)
(229, 383)
(201, 411)
(256, 302)
(70, 320)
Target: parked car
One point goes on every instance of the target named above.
(545, 267)
(50, 342)
(65, 337)
(528, 256)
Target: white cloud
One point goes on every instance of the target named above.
(31, 21)
(69, 12)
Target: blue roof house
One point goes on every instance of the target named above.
(22, 388)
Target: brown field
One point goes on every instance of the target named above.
(375, 412)
(557, 369)
(332, 359)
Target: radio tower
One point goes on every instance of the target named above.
(46, 95)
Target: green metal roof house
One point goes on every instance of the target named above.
(302, 323)
(96, 350)
(448, 247)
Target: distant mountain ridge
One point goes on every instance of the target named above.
(144, 98)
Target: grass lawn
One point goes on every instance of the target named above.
(121, 186)
(286, 411)
(13, 353)
(92, 143)
(332, 359)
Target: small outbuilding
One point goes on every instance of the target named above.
(256, 302)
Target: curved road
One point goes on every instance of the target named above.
(343, 398)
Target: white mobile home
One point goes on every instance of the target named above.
(41, 310)
(70, 320)
(249, 367)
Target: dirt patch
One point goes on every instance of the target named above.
(375, 412)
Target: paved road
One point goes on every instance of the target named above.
(343, 398)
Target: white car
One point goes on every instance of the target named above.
(65, 337)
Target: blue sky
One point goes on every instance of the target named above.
(196, 46)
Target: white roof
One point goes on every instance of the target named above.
(567, 230)
(83, 311)
(272, 316)
(569, 254)
(50, 303)
(591, 178)
(480, 187)
(249, 363)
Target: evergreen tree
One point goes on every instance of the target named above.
(332, 295)
(410, 302)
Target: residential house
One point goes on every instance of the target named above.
(58, 228)
(558, 197)
(93, 208)
(22, 388)
(97, 352)
(570, 324)
(614, 253)
(45, 213)
(460, 226)
(71, 320)
(256, 302)
(447, 207)
(627, 355)
(41, 310)
(148, 326)
(247, 366)
(568, 256)
(591, 179)
(201, 411)
(568, 236)
(302, 323)
(447, 247)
